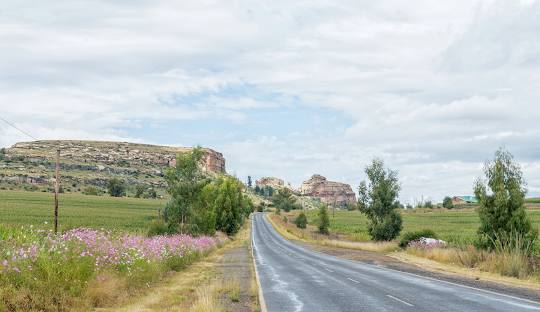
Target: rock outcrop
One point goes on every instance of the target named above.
(94, 163)
(112, 153)
(328, 192)
(270, 181)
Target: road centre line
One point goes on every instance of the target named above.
(399, 300)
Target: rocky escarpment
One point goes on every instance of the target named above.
(270, 181)
(328, 192)
(94, 162)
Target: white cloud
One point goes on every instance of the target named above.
(432, 87)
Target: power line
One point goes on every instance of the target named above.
(20, 130)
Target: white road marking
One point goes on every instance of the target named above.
(465, 286)
(350, 279)
(397, 299)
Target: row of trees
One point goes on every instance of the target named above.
(200, 204)
(501, 194)
(264, 191)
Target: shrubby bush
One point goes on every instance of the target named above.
(412, 236)
(91, 190)
(116, 187)
(447, 203)
(323, 223)
(284, 200)
(301, 221)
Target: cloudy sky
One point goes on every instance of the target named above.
(285, 88)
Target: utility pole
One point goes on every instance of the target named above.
(56, 190)
(334, 209)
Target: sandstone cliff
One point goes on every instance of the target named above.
(328, 192)
(95, 162)
(270, 181)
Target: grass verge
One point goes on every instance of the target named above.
(290, 231)
(200, 287)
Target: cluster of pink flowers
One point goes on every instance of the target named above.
(427, 243)
(106, 249)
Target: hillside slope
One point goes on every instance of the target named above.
(30, 165)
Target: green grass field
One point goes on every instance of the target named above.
(77, 210)
(458, 226)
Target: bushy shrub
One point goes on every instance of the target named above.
(301, 221)
(159, 227)
(324, 220)
(412, 236)
(388, 229)
(285, 219)
(91, 190)
(116, 187)
(447, 203)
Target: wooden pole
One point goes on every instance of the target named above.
(56, 190)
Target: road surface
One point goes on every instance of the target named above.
(294, 278)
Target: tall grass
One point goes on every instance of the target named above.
(507, 261)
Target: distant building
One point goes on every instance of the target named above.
(467, 199)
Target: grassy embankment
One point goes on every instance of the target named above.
(35, 208)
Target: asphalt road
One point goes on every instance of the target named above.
(294, 278)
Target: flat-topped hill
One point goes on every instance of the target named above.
(84, 163)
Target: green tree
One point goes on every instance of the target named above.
(323, 222)
(257, 190)
(184, 183)
(428, 204)
(228, 205)
(447, 203)
(503, 221)
(301, 221)
(380, 200)
(116, 187)
(249, 182)
(139, 190)
(284, 200)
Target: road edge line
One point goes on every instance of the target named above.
(262, 303)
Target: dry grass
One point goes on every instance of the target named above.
(105, 290)
(208, 298)
(510, 263)
(290, 231)
(232, 289)
(368, 246)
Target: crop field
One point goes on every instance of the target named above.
(458, 226)
(77, 210)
